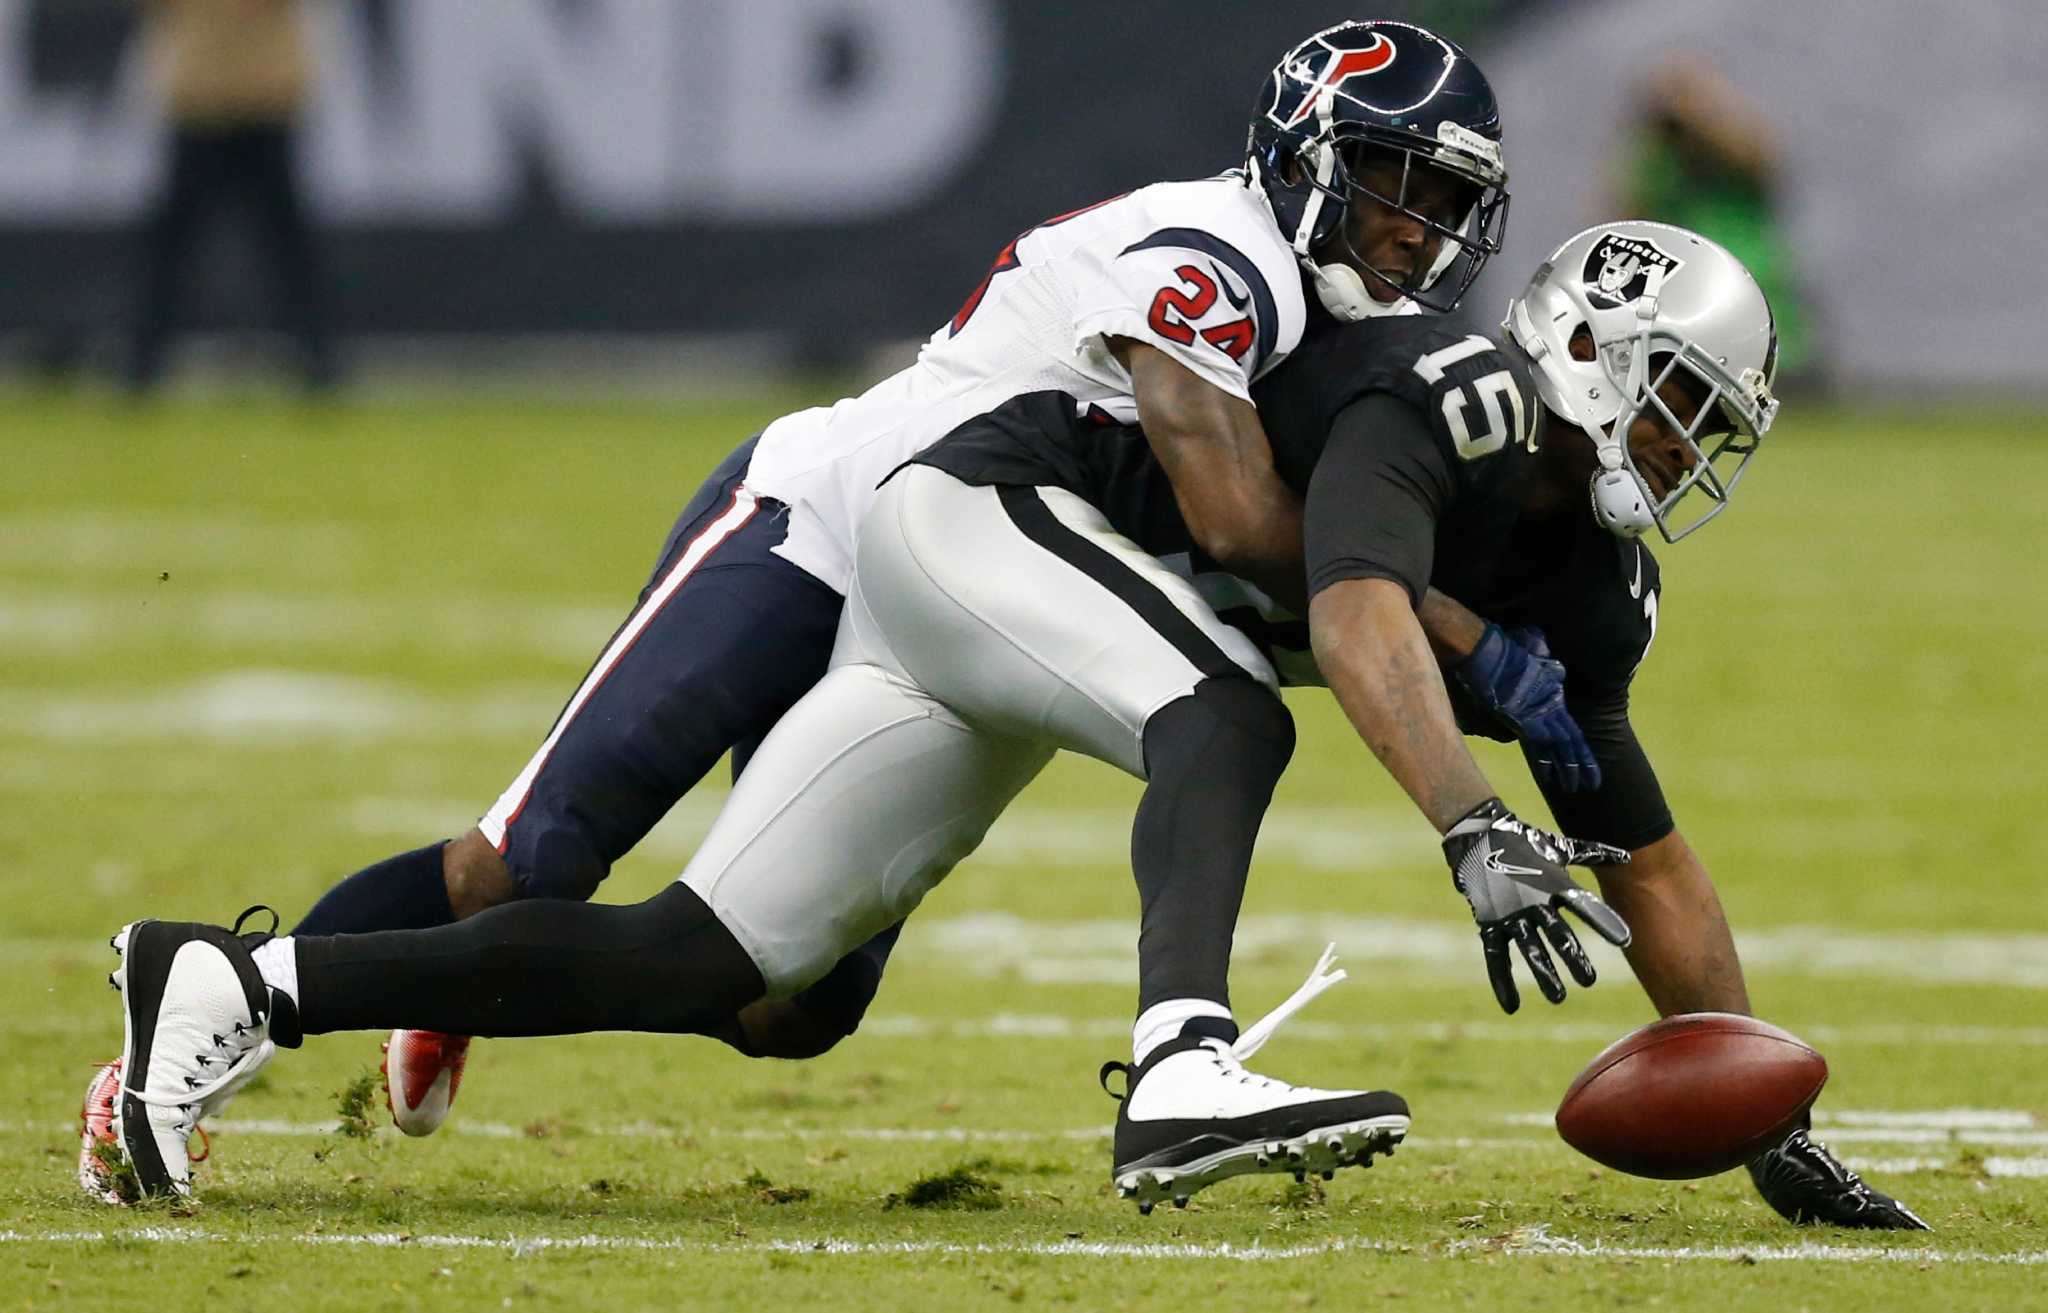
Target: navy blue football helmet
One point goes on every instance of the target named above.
(1362, 87)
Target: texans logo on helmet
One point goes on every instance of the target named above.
(1345, 65)
(1618, 269)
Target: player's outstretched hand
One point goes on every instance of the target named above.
(1512, 675)
(1513, 875)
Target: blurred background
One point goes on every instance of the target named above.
(659, 192)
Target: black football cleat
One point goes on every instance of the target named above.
(1806, 1185)
(1192, 1116)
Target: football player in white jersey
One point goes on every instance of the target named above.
(997, 614)
(1374, 183)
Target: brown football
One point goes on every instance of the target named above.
(1690, 1095)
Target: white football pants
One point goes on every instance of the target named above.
(985, 629)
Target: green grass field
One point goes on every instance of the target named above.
(246, 649)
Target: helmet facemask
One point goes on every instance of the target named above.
(1720, 436)
(1399, 88)
(1331, 165)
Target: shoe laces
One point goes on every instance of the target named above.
(1231, 1057)
(113, 1098)
(239, 1058)
(1321, 978)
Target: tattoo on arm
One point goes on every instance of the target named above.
(1372, 651)
(1452, 628)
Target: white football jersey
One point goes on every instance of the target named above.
(1197, 269)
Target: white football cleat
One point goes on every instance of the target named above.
(197, 1030)
(422, 1073)
(1193, 1116)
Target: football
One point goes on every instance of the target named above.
(1690, 1095)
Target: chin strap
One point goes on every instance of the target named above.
(1621, 501)
(1341, 291)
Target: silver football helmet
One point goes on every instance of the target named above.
(1656, 301)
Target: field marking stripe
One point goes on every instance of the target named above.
(1868, 1123)
(1021, 1025)
(2028, 1165)
(1014, 950)
(1051, 1026)
(1536, 1242)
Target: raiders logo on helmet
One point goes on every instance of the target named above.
(1618, 269)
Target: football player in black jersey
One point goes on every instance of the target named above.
(1673, 418)
(1443, 486)
(1411, 444)
(1373, 181)
(1428, 475)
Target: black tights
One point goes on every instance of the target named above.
(1211, 761)
(541, 966)
(547, 966)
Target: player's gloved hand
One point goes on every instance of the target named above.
(1512, 675)
(1513, 875)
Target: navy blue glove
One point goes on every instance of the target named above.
(1512, 675)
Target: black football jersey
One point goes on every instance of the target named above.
(1410, 442)
(1432, 427)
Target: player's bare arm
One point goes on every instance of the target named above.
(1454, 630)
(1215, 453)
(1373, 654)
(1371, 648)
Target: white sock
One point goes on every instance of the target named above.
(278, 962)
(1162, 1022)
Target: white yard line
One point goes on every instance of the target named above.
(122, 545)
(1050, 1026)
(1534, 1241)
(1876, 1124)
(302, 625)
(1102, 950)
(1960, 1119)
(275, 705)
(2010, 1137)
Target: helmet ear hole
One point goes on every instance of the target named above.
(1580, 345)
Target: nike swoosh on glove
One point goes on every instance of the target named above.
(1514, 876)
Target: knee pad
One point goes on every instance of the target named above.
(560, 862)
(1240, 716)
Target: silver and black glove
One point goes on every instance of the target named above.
(1514, 876)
